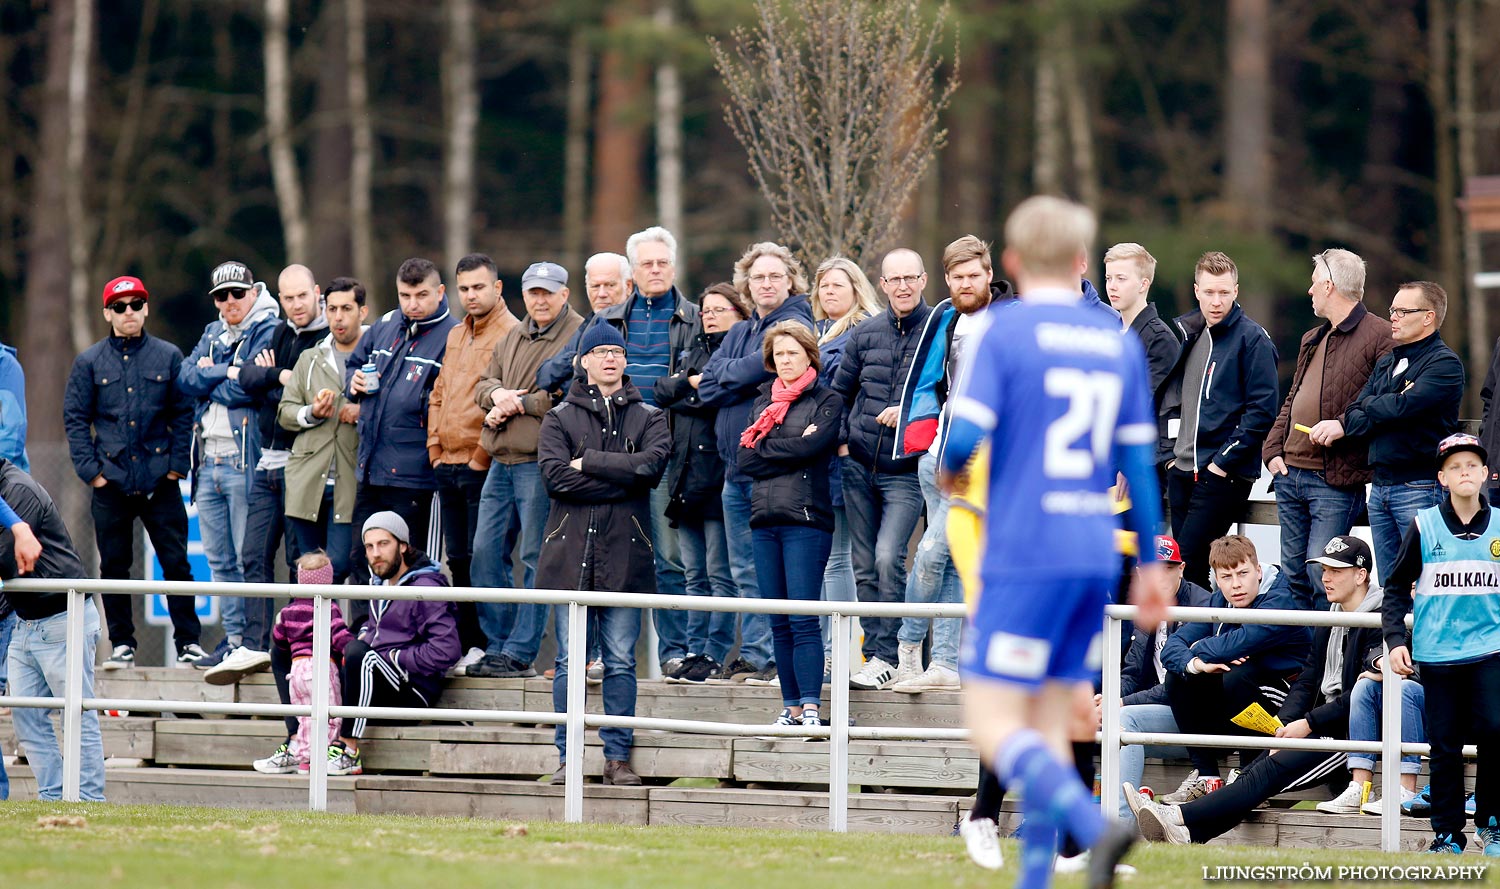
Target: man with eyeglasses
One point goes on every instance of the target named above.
(226, 421)
(130, 432)
(1320, 490)
(1408, 405)
(882, 496)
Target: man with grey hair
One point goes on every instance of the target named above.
(1320, 489)
(606, 278)
(882, 497)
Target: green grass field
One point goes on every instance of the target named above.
(144, 847)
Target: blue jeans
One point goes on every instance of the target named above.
(617, 630)
(671, 579)
(1392, 507)
(265, 528)
(705, 563)
(882, 509)
(755, 629)
(1312, 512)
(513, 506)
(838, 577)
(38, 667)
(933, 577)
(1364, 721)
(1144, 718)
(789, 561)
(223, 502)
(7, 623)
(334, 538)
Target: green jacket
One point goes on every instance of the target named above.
(320, 443)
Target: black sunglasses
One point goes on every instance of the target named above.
(224, 296)
(119, 306)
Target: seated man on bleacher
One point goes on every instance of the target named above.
(1215, 671)
(1317, 705)
(406, 646)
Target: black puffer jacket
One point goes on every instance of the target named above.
(789, 466)
(876, 361)
(598, 533)
(695, 477)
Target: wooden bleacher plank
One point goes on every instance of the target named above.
(161, 684)
(530, 752)
(781, 810)
(474, 694)
(236, 743)
(930, 764)
(202, 787)
(128, 737)
(507, 800)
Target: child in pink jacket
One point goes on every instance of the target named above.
(294, 631)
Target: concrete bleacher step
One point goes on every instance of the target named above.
(736, 703)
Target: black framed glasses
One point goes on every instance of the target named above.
(1398, 312)
(119, 306)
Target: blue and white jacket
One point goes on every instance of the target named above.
(211, 386)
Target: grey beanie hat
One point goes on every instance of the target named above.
(389, 522)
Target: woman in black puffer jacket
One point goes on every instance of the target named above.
(695, 484)
(785, 450)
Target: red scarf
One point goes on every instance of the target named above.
(782, 396)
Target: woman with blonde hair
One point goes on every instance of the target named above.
(842, 297)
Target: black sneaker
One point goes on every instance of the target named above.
(1108, 852)
(701, 670)
(500, 667)
(672, 667)
(121, 658)
(738, 670)
(766, 676)
(221, 651)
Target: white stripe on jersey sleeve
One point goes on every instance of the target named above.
(975, 412)
(1136, 434)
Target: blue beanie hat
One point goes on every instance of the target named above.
(600, 334)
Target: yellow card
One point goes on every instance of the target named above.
(1256, 719)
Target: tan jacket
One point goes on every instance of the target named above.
(453, 421)
(514, 366)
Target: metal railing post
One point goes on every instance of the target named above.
(72, 749)
(578, 665)
(317, 769)
(838, 725)
(1109, 750)
(1390, 755)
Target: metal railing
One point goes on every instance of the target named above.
(575, 719)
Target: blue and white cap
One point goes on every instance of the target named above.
(547, 275)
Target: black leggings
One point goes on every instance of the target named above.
(1219, 812)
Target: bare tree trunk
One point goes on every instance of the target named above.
(669, 141)
(970, 168)
(119, 215)
(461, 111)
(331, 152)
(576, 157)
(1468, 167)
(45, 342)
(362, 146)
(79, 225)
(1439, 96)
(284, 172)
(1080, 120)
(1247, 131)
(619, 142)
(1046, 172)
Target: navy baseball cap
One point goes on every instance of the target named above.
(547, 275)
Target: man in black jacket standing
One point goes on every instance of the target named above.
(1408, 405)
(130, 432)
(1216, 404)
(601, 452)
(882, 496)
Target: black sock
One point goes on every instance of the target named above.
(990, 795)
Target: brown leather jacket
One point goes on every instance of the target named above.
(1353, 348)
(513, 366)
(454, 421)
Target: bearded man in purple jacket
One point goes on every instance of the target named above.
(406, 646)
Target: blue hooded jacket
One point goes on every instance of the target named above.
(733, 378)
(393, 420)
(13, 409)
(211, 385)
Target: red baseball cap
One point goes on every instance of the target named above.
(123, 286)
(1167, 550)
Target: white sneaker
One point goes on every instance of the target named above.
(470, 658)
(875, 673)
(121, 658)
(1080, 863)
(1162, 824)
(240, 663)
(908, 660)
(982, 839)
(937, 677)
(1376, 807)
(1346, 803)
